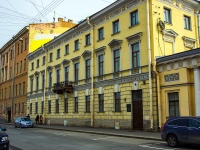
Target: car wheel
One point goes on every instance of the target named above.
(15, 125)
(20, 125)
(172, 140)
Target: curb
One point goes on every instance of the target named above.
(103, 133)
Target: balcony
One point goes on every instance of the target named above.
(61, 87)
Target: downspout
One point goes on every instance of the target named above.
(13, 80)
(149, 65)
(199, 27)
(45, 70)
(158, 92)
(92, 73)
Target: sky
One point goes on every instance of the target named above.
(15, 14)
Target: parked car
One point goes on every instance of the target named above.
(180, 130)
(4, 141)
(23, 122)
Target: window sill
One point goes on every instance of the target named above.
(134, 25)
(75, 112)
(188, 29)
(116, 111)
(87, 45)
(115, 33)
(168, 23)
(87, 112)
(100, 40)
(100, 111)
(66, 54)
(50, 61)
(76, 50)
(57, 58)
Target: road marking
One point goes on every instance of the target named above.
(102, 138)
(151, 147)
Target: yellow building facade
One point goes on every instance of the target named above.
(102, 73)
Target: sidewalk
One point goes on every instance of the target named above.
(102, 131)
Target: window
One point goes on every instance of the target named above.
(167, 15)
(9, 91)
(11, 51)
(193, 123)
(134, 18)
(57, 105)
(20, 66)
(66, 105)
(36, 107)
(23, 107)
(87, 39)
(187, 22)
(31, 87)
(5, 93)
(75, 104)
(101, 102)
(43, 81)
(17, 68)
(49, 106)
(24, 64)
(76, 71)
(173, 99)
(18, 49)
(37, 83)
(66, 49)
(87, 103)
(43, 60)
(101, 34)
(87, 69)
(50, 79)
(115, 26)
(116, 60)
(58, 76)
(66, 73)
(117, 102)
(32, 66)
(183, 122)
(42, 107)
(76, 45)
(135, 55)
(16, 90)
(38, 63)
(20, 89)
(22, 46)
(19, 108)
(10, 72)
(30, 108)
(26, 43)
(23, 91)
(50, 57)
(101, 64)
(58, 53)
(6, 73)
(15, 108)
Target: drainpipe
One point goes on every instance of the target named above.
(13, 81)
(158, 92)
(45, 75)
(149, 58)
(199, 26)
(92, 73)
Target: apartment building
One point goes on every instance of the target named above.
(102, 72)
(14, 65)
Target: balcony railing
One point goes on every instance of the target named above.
(61, 87)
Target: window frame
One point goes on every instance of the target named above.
(134, 18)
(173, 103)
(76, 104)
(101, 102)
(116, 27)
(117, 102)
(167, 15)
(87, 69)
(101, 65)
(135, 58)
(101, 33)
(76, 71)
(187, 22)
(116, 60)
(76, 45)
(87, 104)
(57, 106)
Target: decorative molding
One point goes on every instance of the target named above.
(42, 72)
(76, 59)
(134, 38)
(31, 76)
(49, 68)
(169, 35)
(86, 54)
(36, 73)
(115, 44)
(171, 77)
(189, 42)
(57, 66)
(65, 62)
(100, 51)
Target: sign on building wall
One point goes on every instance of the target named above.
(171, 77)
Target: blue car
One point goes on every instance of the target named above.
(23, 122)
(181, 130)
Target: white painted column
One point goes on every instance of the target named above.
(197, 90)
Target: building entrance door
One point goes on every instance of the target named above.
(9, 115)
(137, 110)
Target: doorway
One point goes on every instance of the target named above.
(137, 110)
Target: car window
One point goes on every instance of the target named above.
(172, 122)
(194, 123)
(183, 122)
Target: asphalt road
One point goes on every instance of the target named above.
(45, 139)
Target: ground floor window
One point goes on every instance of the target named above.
(57, 106)
(87, 103)
(30, 108)
(75, 104)
(101, 102)
(49, 106)
(42, 107)
(173, 99)
(36, 107)
(66, 105)
(117, 102)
